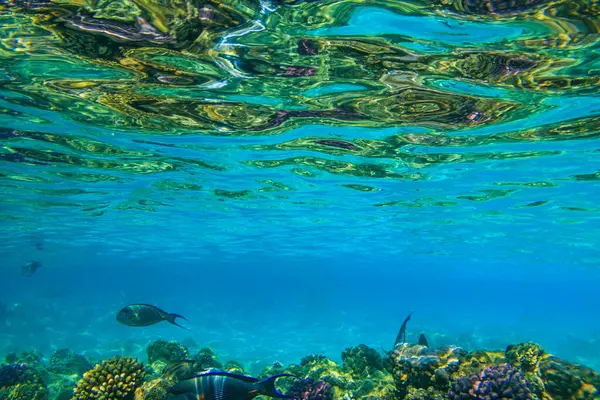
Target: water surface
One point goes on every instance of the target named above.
(297, 176)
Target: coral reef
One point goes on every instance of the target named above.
(206, 358)
(115, 379)
(311, 389)
(65, 362)
(419, 367)
(409, 372)
(362, 360)
(61, 387)
(495, 382)
(20, 381)
(31, 358)
(13, 374)
(156, 389)
(525, 356)
(523, 371)
(234, 367)
(565, 380)
(167, 351)
(344, 383)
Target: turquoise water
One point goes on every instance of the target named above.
(287, 211)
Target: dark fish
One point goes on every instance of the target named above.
(29, 268)
(423, 340)
(182, 369)
(216, 385)
(401, 338)
(146, 315)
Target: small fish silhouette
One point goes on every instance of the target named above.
(146, 315)
(217, 385)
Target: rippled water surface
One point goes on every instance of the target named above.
(359, 132)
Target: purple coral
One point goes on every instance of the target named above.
(311, 389)
(495, 382)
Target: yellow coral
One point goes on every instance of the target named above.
(114, 379)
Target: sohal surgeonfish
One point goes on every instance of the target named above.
(217, 385)
(146, 315)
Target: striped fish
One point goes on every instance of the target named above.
(218, 385)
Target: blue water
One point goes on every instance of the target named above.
(490, 240)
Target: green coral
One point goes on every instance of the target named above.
(167, 351)
(24, 382)
(525, 356)
(417, 367)
(565, 380)
(29, 391)
(346, 385)
(114, 379)
(206, 359)
(234, 367)
(62, 387)
(31, 358)
(65, 362)
(362, 360)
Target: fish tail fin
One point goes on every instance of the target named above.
(267, 387)
(171, 318)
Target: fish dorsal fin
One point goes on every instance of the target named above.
(401, 338)
(244, 378)
(151, 306)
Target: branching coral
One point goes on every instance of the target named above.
(311, 389)
(495, 382)
(115, 379)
